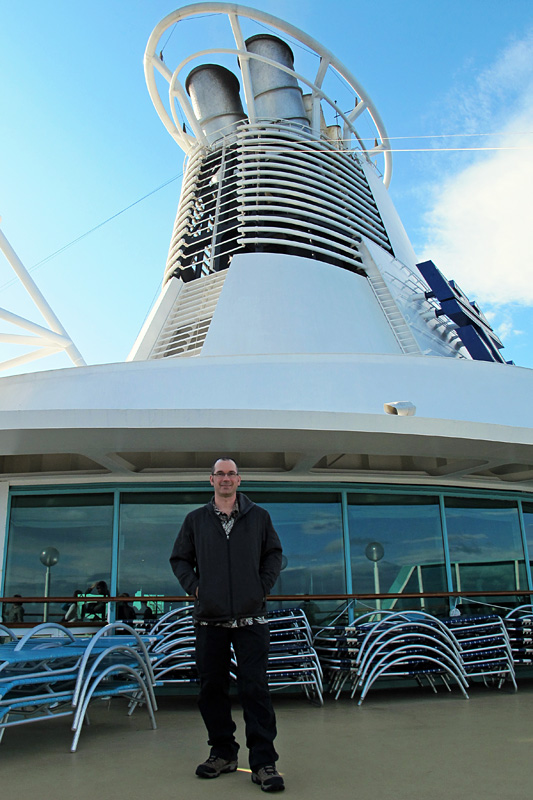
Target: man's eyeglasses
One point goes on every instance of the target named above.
(231, 474)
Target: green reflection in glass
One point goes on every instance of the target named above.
(149, 524)
(485, 545)
(310, 529)
(79, 526)
(408, 529)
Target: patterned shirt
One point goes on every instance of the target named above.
(228, 521)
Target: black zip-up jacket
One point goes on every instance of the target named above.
(234, 574)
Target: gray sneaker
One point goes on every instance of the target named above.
(269, 779)
(214, 765)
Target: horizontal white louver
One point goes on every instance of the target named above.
(273, 188)
(187, 324)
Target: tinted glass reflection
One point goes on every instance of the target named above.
(527, 509)
(396, 546)
(310, 529)
(485, 544)
(80, 527)
(149, 524)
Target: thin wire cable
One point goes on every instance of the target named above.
(449, 149)
(460, 135)
(294, 42)
(291, 40)
(286, 37)
(481, 603)
(300, 150)
(186, 19)
(154, 298)
(167, 41)
(270, 149)
(92, 230)
(444, 136)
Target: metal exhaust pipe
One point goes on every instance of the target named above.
(215, 98)
(276, 93)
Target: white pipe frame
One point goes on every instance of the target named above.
(50, 340)
(176, 91)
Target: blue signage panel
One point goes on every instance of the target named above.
(474, 330)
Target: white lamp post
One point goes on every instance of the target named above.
(374, 552)
(49, 557)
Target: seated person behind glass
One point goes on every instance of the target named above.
(96, 609)
(72, 610)
(125, 612)
(146, 611)
(13, 612)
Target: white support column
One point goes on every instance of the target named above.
(4, 524)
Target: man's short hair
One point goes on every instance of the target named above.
(224, 458)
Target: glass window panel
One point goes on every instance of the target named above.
(485, 545)
(149, 524)
(396, 546)
(527, 510)
(79, 526)
(310, 529)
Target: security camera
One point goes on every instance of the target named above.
(403, 408)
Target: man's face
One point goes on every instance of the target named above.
(225, 478)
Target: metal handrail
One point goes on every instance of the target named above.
(301, 597)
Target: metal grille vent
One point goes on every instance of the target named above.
(303, 196)
(273, 188)
(187, 324)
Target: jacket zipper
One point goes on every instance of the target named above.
(230, 584)
(229, 575)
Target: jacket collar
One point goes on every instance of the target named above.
(245, 504)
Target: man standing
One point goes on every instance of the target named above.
(228, 556)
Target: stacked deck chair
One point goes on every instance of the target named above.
(411, 645)
(175, 616)
(396, 645)
(293, 661)
(172, 651)
(485, 648)
(58, 676)
(519, 626)
(338, 649)
(337, 655)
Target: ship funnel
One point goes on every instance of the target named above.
(276, 93)
(214, 93)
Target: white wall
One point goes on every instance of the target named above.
(273, 303)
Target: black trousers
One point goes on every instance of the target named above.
(213, 658)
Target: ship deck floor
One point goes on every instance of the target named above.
(401, 744)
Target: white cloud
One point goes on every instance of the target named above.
(478, 230)
(506, 329)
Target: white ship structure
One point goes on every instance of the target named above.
(297, 331)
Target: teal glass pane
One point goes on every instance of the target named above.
(149, 524)
(310, 529)
(396, 546)
(485, 545)
(527, 510)
(79, 526)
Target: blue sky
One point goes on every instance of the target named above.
(81, 143)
